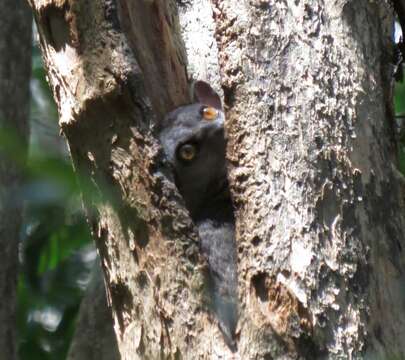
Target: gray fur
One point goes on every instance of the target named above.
(204, 187)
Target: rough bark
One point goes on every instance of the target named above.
(15, 70)
(320, 229)
(197, 29)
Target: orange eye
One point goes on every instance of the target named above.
(187, 152)
(209, 113)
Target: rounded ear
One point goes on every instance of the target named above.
(206, 95)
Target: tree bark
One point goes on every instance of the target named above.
(15, 71)
(319, 224)
(320, 227)
(105, 106)
(93, 339)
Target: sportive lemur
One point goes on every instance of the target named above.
(193, 139)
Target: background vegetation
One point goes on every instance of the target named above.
(56, 252)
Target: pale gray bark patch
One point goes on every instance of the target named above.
(15, 70)
(198, 30)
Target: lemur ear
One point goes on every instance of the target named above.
(206, 95)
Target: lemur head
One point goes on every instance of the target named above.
(193, 139)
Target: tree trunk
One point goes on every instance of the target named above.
(15, 71)
(319, 225)
(320, 229)
(93, 340)
(94, 336)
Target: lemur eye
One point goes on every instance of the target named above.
(187, 152)
(209, 113)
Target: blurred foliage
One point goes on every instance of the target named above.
(56, 255)
(399, 99)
